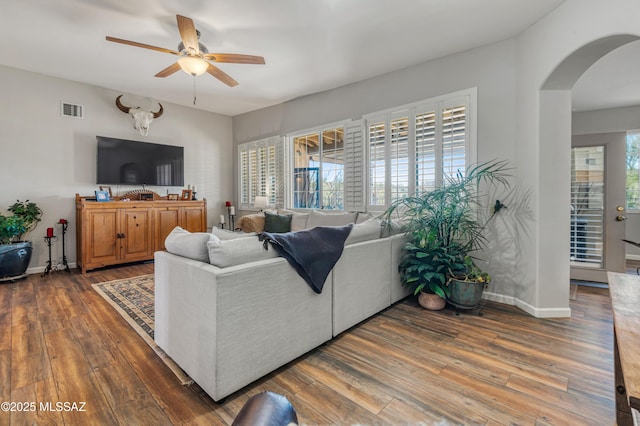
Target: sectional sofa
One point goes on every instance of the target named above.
(228, 312)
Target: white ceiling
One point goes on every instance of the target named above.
(309, 45)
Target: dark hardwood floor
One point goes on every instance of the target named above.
(61, 342)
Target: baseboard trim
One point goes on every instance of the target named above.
(40, 269)
(528, 308)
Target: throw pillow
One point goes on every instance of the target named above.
(365, 231)
(225, 253)
(277, 223)
(186, 244)
(364, 216)
(252, 223)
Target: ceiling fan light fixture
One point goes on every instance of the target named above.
(193, 65)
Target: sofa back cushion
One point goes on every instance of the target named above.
(225, 234)
(298, 220)
(189, 244)
(317, 218)
(225, 253)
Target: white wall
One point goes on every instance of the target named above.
(48, 158)
(609, 121)
(540, 50)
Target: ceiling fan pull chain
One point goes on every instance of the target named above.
(194, 89)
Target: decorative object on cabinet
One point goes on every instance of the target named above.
(108, 189)
(102, 196)
(173, 197)
(130, 231)
(187, 194)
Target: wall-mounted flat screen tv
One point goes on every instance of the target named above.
(126, 162)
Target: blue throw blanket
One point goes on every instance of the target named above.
(312, 252)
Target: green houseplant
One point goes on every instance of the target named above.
(15, 252)
(444, 227)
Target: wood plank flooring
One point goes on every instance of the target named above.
(61, 342)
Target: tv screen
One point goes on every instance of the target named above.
(125, 162)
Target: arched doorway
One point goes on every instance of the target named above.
(555, 136)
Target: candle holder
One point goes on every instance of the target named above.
(65, 226)
(231, 212)
(49, 267)
(221, 225)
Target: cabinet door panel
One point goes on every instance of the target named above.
(193, 219)
(103, 245)
(166, 220)
(136, 227)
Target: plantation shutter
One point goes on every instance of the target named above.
(399, 158)
(354, 172)
(261, 167)
(454, 139)
(377, 164)
(425, 153)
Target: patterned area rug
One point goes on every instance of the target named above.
(133, 299)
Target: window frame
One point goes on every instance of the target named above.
(290, 173)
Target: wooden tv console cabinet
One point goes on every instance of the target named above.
(115, 232)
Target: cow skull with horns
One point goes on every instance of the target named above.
(141, 118)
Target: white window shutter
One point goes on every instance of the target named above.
(354, 173)
(261, 171)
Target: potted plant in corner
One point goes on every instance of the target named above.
(444, 227)
(15, 252)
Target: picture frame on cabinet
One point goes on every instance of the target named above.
(102, 196)
(187, 194)
(173, 197)
(108, 189)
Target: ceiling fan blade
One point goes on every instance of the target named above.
(235, 59)
(169, 70)
(188, 34)
(145, 46)
(221, 75)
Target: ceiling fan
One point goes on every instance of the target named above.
(194, 57)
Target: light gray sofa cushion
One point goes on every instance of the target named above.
(365, 231)
(225, 253)
(298, 220)
(225, 234)
(189, 244)
(364, 216)
(317, 218)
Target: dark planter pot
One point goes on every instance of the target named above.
(14, 260)
(465, 294)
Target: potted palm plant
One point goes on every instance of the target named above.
(444, 227)
(15, 251)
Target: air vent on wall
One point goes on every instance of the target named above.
(72, 110)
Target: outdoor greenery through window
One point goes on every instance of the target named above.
(318, 173)
(633, 171)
